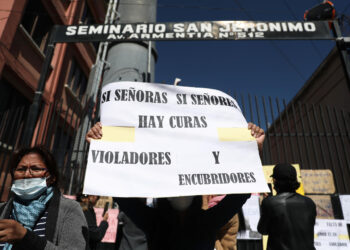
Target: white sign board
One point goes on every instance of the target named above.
(251, 214)
(331, 235)
(345, 206)
(162, 140)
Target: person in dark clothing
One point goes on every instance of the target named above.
(96, 233)
(180, 228)
(129, 236)
(287, 218)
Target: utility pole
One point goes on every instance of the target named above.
(126, 61)
(132, 61)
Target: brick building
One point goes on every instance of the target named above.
(24, 32)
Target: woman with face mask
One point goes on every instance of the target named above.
(37, 216)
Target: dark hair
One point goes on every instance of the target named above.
(286, 185)
(81, 196)
(45, 155)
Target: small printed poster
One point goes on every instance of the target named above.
(331, 235)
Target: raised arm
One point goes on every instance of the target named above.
(95, 132)
(259, 135)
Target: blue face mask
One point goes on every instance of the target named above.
(29, 189)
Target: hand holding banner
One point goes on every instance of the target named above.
(162, 140)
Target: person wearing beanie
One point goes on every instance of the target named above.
(287, 218)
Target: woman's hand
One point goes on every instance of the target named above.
(95, 132)
(258, 133)
(11, 231)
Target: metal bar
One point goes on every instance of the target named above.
(78, 150)
(149, 57)
(12, 139)
(304, 136)
(75, 132)
(66, 141)
(329, 148)
(5, 135)
(274, 129)
(312, 136)
(344, 149)
(68, 158)
(289, 130)
(54, 115)
(267, 130)
(58, 116)
(85, 151)
(234, 94)
(282, 131)
(341, 167)
(297, 134)
(80, 164)
(257, 111)
(34, 108)
(347, 129)
(319, 137)
(39, 126)
(259, 123)
(243, 106)
(46, 126)
(60, 152)
(250, 108)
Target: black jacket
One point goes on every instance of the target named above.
(193, 229)
(96, 233)
(288, 219)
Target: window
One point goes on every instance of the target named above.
(77, 81)
(87, 19)
(37, 23)
(66, 3)
(10, 97)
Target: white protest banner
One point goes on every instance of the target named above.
(331, 235)
(345, 206)
(161, 140)
(251, 214)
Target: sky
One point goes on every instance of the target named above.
(264, 68)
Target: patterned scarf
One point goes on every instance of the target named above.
(28, 212)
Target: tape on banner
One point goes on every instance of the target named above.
(343, 237)
(118, 134)
(235, 134)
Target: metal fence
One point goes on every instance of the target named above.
(60, 128)
(314, 136)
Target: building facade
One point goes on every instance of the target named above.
(313, 129)
(24, 30)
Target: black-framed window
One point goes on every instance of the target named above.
(66, 3)
(37, 23)
(10, 97)
(77, 80)
(87, 18)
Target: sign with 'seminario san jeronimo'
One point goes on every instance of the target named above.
(205, 30)
(162, 140)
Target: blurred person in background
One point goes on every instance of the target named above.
(96, 233)
(287, 218)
